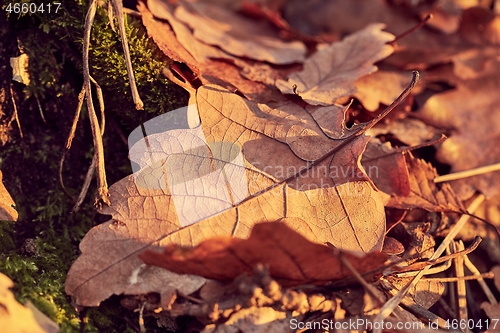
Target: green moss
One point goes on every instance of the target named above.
(31, 165)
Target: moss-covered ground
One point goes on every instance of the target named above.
(37, 250)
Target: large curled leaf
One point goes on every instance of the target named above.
(247, 163)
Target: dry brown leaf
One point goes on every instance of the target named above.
(258, 166)
(476, 63)
(480, 26)
(211, 63)
(329, 74)
(16, 318)
(380, 87)
(287, 254)
(411, 132)
(393, 246)
(471, 111)
(390, 173)
(343, 17)
(425, 293)
(165, 38)
(424, 193)
(238, 35)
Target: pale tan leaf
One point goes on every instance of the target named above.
(16, 318)
(330, 73)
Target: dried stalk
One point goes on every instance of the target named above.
(118, 10)
(102, 185)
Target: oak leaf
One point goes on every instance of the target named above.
(287, 254)
(247, 163)
(330, 73)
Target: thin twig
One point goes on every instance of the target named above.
(399, 99)
(370, 289)
(92, 167)
(487, 291)
(409, 31)
(102, 191)
(118, 9)
(141, 318)
(16, 114)
(467, 173)
(40, 109)
(420, 265)
(69, 141)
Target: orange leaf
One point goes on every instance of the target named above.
(292, 259)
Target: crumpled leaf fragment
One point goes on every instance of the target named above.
(424, 193)
(7, 204)
(19, 66)
(330, 73)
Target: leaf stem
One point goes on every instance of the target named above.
(409, 31)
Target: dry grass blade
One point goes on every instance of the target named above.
(467, 173)
(462, 314)
(484, 286)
